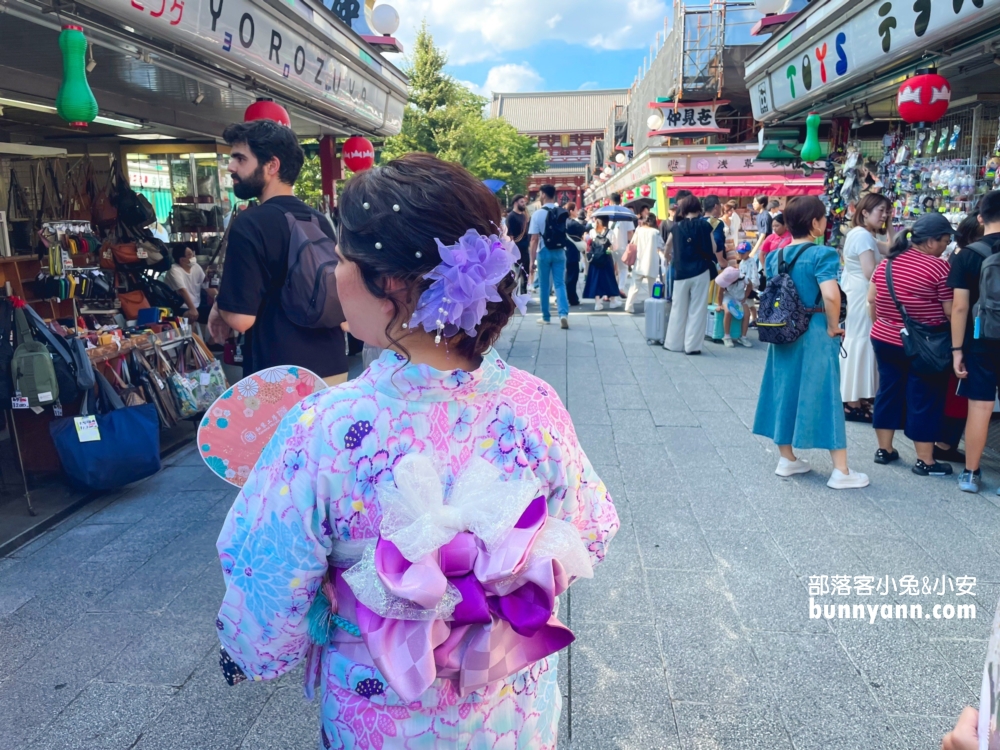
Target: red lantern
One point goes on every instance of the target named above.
(644, 191)
(924, 97)
(359, 153)
(267, 109)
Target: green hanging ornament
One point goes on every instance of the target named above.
(811, 150)
(75, 102)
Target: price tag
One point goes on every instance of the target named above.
(141, 254)
(19, 402)
(204, 378)
(86, 429)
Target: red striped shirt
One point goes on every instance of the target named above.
(920, 283)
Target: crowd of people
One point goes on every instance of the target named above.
(872, 304)
(916, 349)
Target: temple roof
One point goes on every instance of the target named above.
(557, 111)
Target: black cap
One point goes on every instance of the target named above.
(930, 227)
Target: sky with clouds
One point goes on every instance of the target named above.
(537, 45)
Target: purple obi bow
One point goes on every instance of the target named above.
(468, 611)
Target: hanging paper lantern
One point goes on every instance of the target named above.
(644, 191)
(924, 97)
(267, 109)
(811, 150)
(75, 102)
(359, 153)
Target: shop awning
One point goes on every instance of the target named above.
(743, 187)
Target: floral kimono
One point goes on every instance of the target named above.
(306, 523)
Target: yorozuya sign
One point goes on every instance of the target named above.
(804, 65)
(244, 33)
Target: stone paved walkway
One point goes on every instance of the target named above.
(694, 633)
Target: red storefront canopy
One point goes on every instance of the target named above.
(747, 186)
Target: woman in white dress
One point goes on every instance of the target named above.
(648, 246)
(862, 253)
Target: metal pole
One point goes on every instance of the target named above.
(977, 117)
(20, 461)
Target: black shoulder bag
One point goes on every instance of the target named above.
(929, 347)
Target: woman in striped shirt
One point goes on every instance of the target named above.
(907, 399)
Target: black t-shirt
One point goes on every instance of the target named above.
(691, 250)
(516, 229)
(964, 274)
(253, 274)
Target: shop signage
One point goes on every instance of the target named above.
(256, 42)
(148, 180)
(687, 119)
(878, 34)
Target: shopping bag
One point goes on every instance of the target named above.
(109, 445)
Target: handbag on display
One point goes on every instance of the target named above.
(186, 216)
(181, 386)
(132, 303)
(157, 391)
(102, 208)
(207, 379)
(110, 444)
(127, 253)
(130, 394)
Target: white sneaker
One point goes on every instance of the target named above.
(788, 468)
(564, 322)
(850, 481)
(727, 342)
(615, 303)
(542, 322)
(598, 305)
(746, 342)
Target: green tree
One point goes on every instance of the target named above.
(445, 118)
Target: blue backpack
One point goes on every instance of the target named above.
(782, 317)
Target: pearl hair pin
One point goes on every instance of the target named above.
(378, 245)
(366, 205)
(419, 254)
(395, 207)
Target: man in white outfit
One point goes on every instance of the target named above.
(620, 233)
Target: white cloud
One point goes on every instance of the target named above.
(508, 78)
(589, 85)
(477, 30)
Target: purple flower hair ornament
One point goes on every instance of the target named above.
(463, 282)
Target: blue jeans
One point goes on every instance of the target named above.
(552, 266)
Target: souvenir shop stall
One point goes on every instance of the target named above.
(111, 118)
(94, 347)
(907, 100)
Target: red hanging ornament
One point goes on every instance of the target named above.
(924, 97)
(359, 153)
(644, 191)
(267, 109)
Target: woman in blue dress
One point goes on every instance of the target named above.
(602, 283)
(799, 404)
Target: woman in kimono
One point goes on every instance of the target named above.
(405, 534)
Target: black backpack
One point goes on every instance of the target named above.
(599, 247)
(782, 317)
(554, 235)
(987, 310)
(309, 294)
